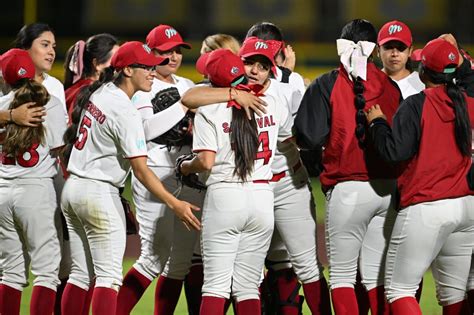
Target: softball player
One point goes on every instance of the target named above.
(237, 225)
(292, 208)
(358, 186)
(84, 62)
(395, 46)
(39, 40)
(162, 235)
(27, 195)
(436, 223)
(108, 141)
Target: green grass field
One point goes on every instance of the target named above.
(429, 304)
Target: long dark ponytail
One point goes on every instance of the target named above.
(97, 47)
(462, 123)
(82, 100)
(359, 30)
(244, 138)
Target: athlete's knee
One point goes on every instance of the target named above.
(394, 292)
(450, 295)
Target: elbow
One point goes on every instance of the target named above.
(187, 101)
(206, 161)
(207, 165)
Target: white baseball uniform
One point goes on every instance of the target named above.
(110, 133)
(28, 206)
(163, 236)
(295, 80)
(237, 220)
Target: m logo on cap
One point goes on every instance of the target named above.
(22, 72)
(394, 29)
(261, 45)
(451, 57)
(234, 70)
(147, 49)
(170, 32)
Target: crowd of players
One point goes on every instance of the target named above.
(391, 147)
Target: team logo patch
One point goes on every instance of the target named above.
(147, 49)
(452, 56)
(261, 45)
(22, 72)
(141, 144)
(234, 70)
(170, 32)
(394, 28)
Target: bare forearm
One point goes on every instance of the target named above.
(155, 186)
(204, 95)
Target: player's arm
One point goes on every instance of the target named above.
(313, 119)
(183, 209)
(24, 115)
(401, 141)
(202, 162)
(206, 95)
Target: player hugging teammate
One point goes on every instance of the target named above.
(396, 202)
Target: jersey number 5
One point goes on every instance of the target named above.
(31, 160)
(83, 133)
(265, 153)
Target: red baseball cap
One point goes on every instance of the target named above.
(255, 46)
(223, 67)
(17, 64)
(440, 56)
(416, 55)
(164, 37)
(201, 63)
(395, 30)
(135, 53)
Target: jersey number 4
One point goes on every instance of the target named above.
(83, 133)
(265, 153)
(27, 159)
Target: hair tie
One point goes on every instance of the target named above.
(354, 57)
(76, 64)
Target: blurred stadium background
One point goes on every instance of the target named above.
(310, 26)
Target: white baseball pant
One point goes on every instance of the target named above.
(237, 226)
(359, 219)
(163, 236)
(440, 233)
(27, 234)
(96, 226)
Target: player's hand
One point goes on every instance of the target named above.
(374, 112)
(28, 115)
(290, 58)
(184, 211)
(249, 101)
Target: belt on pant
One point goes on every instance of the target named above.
(276, 177)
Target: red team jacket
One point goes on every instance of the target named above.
(423, 134)
(327, 118)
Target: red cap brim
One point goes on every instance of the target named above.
(388, 39)
(170, 45)
(153, 60)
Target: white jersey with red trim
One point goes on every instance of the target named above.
(286, 154)
(38, 162)
(109, 134)
(212, 133)
(158, 155)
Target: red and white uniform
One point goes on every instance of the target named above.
(27, 206)
(237, 216)
(110, 133)
(162, 234)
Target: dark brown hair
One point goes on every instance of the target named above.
(19, 139)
